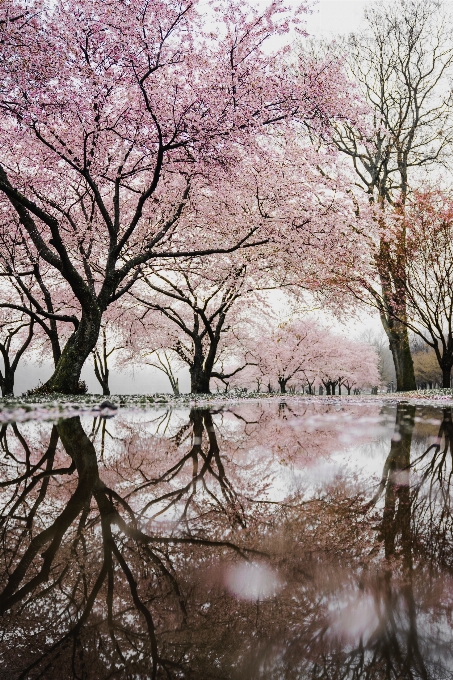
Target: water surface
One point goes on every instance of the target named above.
(262, 540)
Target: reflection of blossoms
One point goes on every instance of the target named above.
(183, 543)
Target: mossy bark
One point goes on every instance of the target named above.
(66, 377)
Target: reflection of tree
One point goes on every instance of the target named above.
(388, 623)
(394, 483)
(432, 502)
(394, 648)
(108, 588)
(396, 645)
(115, 567)
(203, 465)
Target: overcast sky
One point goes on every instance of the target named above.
(333, 17)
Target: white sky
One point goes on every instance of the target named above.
(334, 17)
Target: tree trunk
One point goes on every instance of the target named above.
(199, 380)
(7, 383)
(398, 338)
(102, 375)
(202, 366)
(282, 383)
(55, 342)
(66, 377)
(446, 377)
(401, 353)
(402, 359)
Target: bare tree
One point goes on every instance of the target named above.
(401, 61)
(162, 360)
(101, 357)
(16, 335)
(428, 284)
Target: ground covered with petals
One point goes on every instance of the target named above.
(56, 406)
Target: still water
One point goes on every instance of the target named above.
(263, 540)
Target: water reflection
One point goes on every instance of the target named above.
(261, 542)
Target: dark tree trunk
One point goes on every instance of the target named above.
(402, 359)
(102, 374)
(54, 342)
(349, 390)
(202, 366)
(399, 346)
(446, 377)
(393, 310)
(282, 382)
(66, 377)
(199, 379)
(7, 383)
(396, 517)
(9, 371)
(333, 388)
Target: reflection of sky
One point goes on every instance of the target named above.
(303, 448)
(358, 449)
(335, 443)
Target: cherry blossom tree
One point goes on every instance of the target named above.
(118, 122)
(289, 349)
(194, 311)
(350, 364)
(359, 366)
(302, 351)
(200, 301)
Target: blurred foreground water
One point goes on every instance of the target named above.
(277, 541)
